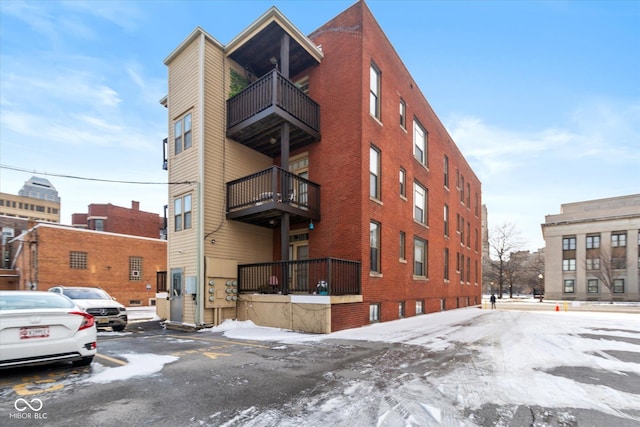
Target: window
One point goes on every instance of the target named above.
(403, 242)
(135, 268)
(403, 183)
(78, 260)
(468, 234)
(593, 242)
(569, 244)
(446, 264)
(461, 188)
(618, 240)
(182, 213)
(461, 264)
(569, 286)
(374, 173)
(187, 211)
(446, 171)
(618, 262)
(403, 114)
(446, 220)
(420, 203)
(420, 257)
(592, 286)
(618, 286)
(98, 224)
(568, 265)
(374, 243)
(461, 229)
(419, 143)
(182, 133)
(374, 312)
(592, 263)
(401, 310)
(374, 91)
(468, 195)
(419, 307)
(187, 131)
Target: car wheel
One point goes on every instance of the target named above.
(119, 328)
(85, 361)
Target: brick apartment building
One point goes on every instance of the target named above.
(116, 219)
(320, 190)
(125, 266)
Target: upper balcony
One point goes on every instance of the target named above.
(255, 115)
(262, 197)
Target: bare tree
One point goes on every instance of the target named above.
(503, 241)
(609, 261)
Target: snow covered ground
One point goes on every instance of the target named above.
(463, 367)
(496, 359)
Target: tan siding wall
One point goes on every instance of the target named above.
(226, 160)
(183, 98)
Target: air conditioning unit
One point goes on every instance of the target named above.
(135, 273)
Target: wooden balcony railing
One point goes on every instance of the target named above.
(322, 276)
(258, 111)
(264, 195)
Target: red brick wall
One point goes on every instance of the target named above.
(131, 221)
(340, 163)
(107, 261)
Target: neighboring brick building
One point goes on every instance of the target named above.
(116, 219)
(370, 214)
(592, 250)
(125, 266)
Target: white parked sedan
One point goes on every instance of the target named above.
(42, 327)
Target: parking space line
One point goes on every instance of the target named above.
(111, 359)
(217, 340)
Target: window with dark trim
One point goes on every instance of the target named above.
(78, 260)
(420, 257)
(182, 212)
(374, 243)
(403, 114)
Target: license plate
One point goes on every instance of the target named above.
(34, 332)
(102, 320)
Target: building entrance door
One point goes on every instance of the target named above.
(175, 295)
(299, 272)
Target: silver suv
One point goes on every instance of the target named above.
(95, 301)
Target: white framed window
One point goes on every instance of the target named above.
(374, 91)
(420, 196)
(446, 220)
(374, 243)
(403, 114)
(446, 171)
(182, 212)
(403, 182)
(182, 133)
(374, 172)
(419, 143)
(403, 244)
(420, 248)
(374, 312)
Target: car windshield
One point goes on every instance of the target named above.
(22, 301)
(86, 294)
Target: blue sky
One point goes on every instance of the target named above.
(542, 97)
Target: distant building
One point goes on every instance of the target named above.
(591, 243)
(37, 200)
(130, 268)
(39, 188)
(116, 219)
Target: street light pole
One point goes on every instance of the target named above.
(540, 285)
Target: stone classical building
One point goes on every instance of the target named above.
(592, 250)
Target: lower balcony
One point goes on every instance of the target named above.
(321, 276)
(261, 198)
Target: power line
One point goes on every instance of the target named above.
(92, 179)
